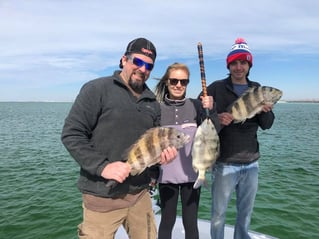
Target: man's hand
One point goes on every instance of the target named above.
(225, 118)
(117, 171)
(168, 155)
(267, 107)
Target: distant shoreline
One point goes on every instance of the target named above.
(298, 101)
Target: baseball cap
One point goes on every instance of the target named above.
(140, 46)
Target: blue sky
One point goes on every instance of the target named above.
(50, 48)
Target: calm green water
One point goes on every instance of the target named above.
(39, 198)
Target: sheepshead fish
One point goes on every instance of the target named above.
(148, 148)
(205, 150)
(252, 101)
(146, 151)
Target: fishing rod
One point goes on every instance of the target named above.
(202, 72)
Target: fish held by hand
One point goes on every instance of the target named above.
(252, 101)
(146, 151)
(205, 150)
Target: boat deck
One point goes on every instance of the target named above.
(204, 230)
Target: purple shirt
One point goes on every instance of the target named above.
(182, 116)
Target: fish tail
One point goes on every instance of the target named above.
(198, 183)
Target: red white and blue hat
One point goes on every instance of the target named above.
(240, 51)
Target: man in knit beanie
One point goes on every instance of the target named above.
(240, 51)
(236, 168)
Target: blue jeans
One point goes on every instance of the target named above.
(227, 178)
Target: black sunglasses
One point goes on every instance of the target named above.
(138, 62)
(173, 81)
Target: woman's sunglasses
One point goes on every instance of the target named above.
(173, 81)
(138, 62)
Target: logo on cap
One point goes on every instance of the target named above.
(146, 51)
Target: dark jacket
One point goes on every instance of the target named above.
(104, 121)
(202, 114)
(238, 142)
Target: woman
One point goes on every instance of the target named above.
(178, 177)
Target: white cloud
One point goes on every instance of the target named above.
(67, 39)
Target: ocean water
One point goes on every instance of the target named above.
(39, 198)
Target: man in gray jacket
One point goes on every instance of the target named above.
(107, 117)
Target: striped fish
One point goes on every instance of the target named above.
(148, 148)
(146, 151)
(252, 101)
(205, 150)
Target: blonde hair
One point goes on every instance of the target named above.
(161, 88)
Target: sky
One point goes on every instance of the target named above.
(50, 48)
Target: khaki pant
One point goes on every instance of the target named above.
(138, 221)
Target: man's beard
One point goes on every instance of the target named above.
(136, 86)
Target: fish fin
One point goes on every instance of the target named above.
(135, 172)
(198, 183)
(239, 121)
(251, 115)
(201, 182)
